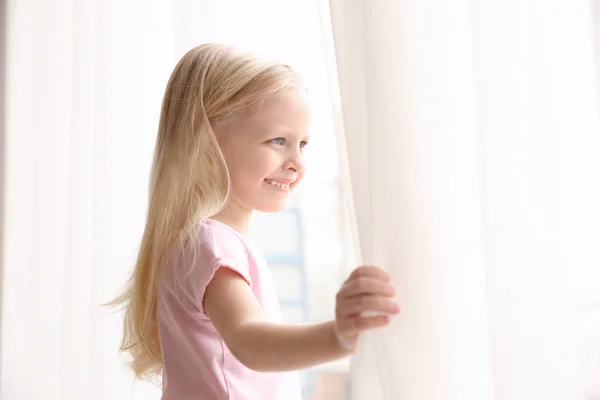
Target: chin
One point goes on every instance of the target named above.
(271, 208)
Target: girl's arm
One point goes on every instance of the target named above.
(266, 346)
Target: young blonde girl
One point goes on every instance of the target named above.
(200, 308)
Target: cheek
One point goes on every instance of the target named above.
(240, 163)
(245, 177)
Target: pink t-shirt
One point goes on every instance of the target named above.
(197, 363)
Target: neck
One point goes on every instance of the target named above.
(234, 215)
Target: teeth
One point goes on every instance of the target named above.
(278, 184)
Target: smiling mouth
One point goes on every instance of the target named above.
(278, 184)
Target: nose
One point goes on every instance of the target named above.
(295, 162)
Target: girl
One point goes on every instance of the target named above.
(200, 309)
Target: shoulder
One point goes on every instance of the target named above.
(213, 244)
(217, 238)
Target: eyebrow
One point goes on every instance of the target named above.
(281, 130)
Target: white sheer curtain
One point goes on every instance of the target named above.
(473, 147)
(83, 78)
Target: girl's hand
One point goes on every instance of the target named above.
(367, 291)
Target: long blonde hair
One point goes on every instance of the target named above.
(210, 86)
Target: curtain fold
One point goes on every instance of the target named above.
(471, 132)
(411, 139)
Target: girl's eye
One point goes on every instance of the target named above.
(281, 142)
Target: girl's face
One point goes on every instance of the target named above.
(264, 152)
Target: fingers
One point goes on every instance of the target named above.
(368, 290)
(366, 285)
(368, 303)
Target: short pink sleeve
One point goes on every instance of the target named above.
(214, 246)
